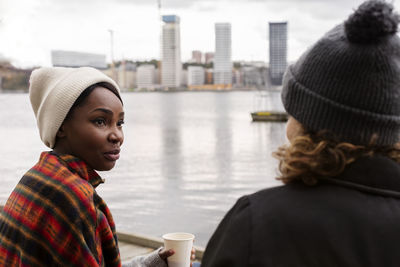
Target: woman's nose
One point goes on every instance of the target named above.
(116, 136)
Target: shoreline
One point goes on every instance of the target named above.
(273, 90)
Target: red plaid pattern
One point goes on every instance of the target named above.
(54, 217)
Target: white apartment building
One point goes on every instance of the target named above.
(171, 65)
(145, 75)
(60, 58)
(223, 54)
(196, 75)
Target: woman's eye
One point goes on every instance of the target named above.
(120, 123)
(99, 122)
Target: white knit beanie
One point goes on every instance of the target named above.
(53, 91)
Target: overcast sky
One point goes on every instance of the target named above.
(30, 29)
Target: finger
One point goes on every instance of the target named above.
(193, 253)
(166, 253)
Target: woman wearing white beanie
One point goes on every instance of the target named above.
(54, 216)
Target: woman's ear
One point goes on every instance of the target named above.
(293, 128)
(61, 131)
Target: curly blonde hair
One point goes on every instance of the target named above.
(310, 157)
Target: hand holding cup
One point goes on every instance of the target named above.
(181, 244)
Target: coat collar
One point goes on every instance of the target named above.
(75, 165)
(377, 174)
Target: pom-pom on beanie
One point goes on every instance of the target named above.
(349, 81)
(53, 91)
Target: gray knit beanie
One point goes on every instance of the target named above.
(53, 91)
(349, 81)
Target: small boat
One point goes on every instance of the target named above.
(268, 107)
(278, 116)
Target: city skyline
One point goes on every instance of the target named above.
(32, 28)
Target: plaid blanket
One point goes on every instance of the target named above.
(54, 217)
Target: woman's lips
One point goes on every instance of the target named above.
(112, 155)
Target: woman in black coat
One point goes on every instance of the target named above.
(340, 202)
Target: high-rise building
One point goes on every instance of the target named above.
(223, 54)
(171, 65)
(277, 51)
(145, 76)
(196, 56)
(60, 58)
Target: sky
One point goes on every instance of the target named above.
(30, 29)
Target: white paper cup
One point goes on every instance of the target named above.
(182, 244)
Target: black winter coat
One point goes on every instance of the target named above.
(351, 220)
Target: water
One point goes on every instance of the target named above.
(186, 158)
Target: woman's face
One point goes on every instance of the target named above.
(293, 128)
(93, 132)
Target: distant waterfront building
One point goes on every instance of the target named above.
(252, 76)
(209, 76)
(223, 54)
(157, 76)
(12, 78)
(184, 78)
(237, 78)
(257, 64)
(61, 58)
(171, 65)
(277, 51)
(145, 76)
(196, 75)
(196, 56)
(126, 75)
(209, 57)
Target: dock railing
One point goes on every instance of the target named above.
(150, 242)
